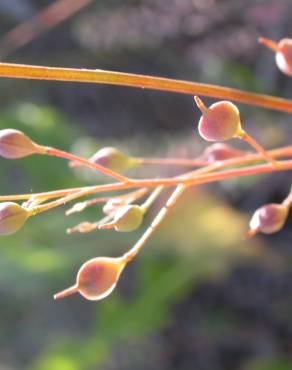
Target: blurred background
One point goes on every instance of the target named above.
(199, 297)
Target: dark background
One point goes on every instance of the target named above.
(199, 297)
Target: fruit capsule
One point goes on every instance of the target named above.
(12, 217)
(268, 219)
(111, 158)
(15, 144)
(219, 122)
(283, 53)
(126, 218)
(96, 278)
(220, 152)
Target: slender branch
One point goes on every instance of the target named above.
(248, 158)
(85, 162)
(188, 181)
(100, 76)
(128, 256)
(47, 18)
(185, 162)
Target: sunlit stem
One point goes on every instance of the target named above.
(269, 43)
(155, 223)
(71, 157)
(190, 180)
(243, 135)
(172, 162)
(152, 197)
(145, 82)
(201, 105)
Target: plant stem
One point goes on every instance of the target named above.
(171, 161)
(128, 256)
(185, 180)
(71, 157)
(100, 76)
(248, 158)
(253, 143)
(152, 197)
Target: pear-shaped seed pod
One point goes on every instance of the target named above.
(96, 278)
(219, 122)
(128, 218)
(220, 152)
(112, 158)
(283, 53)
(268, 219)
(12, 217)
(15, 144)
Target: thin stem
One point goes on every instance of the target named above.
(71, 157)
(65, 293)
(252, 142)
(172, 162)
(152, 197)
(269, 43)
(46, 19)
(155, 223)
(248, 158)
(141, 81)
(129, 198)
(188, 181)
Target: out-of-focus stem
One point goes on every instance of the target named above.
(71, 157)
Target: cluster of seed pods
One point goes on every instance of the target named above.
(220, 122)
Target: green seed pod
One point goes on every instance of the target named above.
(15, 144)
(219, 122)
(12, 217)
(268, 219)
(128, 218)
(96, 278)
(112, 158)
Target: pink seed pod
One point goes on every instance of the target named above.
(283, 53)
(127, 218)
(268, 219)
(219, 122)
(12, 217)
(96, 278)
(220, 152)
(112, 158)
(15, 144)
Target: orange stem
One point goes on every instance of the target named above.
(141, 81)
(71, 157)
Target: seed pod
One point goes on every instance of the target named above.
(268, 219)
(12, 217)
(219, 122)
(112, 158)
(283, 53)
(112, 205)
(96, 278)
(15, 144)
(127, 218)
(220, 152)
